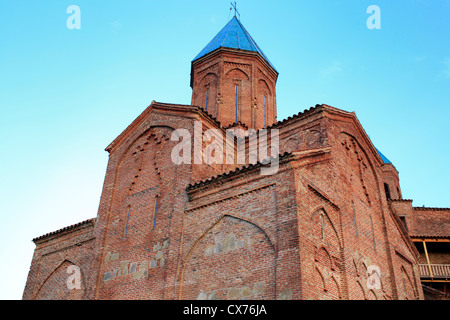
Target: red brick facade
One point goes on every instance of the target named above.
(313, 230)
(220, 76)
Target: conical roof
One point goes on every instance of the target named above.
(233, 36)
(383, 157)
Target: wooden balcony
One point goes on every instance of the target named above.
(435, 271)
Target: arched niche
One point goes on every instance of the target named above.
(234, 259)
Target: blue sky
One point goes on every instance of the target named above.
(66, 94)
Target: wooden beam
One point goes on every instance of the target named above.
(428, 258)
(435, 280)
(429, 240)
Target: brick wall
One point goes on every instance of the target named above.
(311, 231)
(369, 232)
(220, 72)
(244, 231)
(53, 255)
(429, 221)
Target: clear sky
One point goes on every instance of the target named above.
(66, 94)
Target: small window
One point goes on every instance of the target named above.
(236, 103)
(322, 227)
(126, 223)
(373, 235)
(206, 102)
(265, 100)
(387, 191)
(354, 219)
(403, 220)
(155, 212)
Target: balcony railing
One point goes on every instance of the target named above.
(438, 271)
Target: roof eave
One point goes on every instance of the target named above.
(233, 50)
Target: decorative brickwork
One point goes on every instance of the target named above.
(322, 227)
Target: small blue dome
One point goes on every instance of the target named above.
(233, 36)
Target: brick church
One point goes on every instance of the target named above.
(329, 223)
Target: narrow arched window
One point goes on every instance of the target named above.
(236, 103)
(387, 191)
(126, 223)
(265, 111)
(155, 212)
(373, 235)
(321, 226)
(206, 100)
(354, 219)
(403, 220)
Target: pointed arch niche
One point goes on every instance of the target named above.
(55, 286)
(237, 90)
(217, 266)
(327, 255)
(265, 116)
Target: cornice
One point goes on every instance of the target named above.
(65, 230)
(185, 109)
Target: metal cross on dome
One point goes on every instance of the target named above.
(233, 5)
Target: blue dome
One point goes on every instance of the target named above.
(385, 160)
(233, 36)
